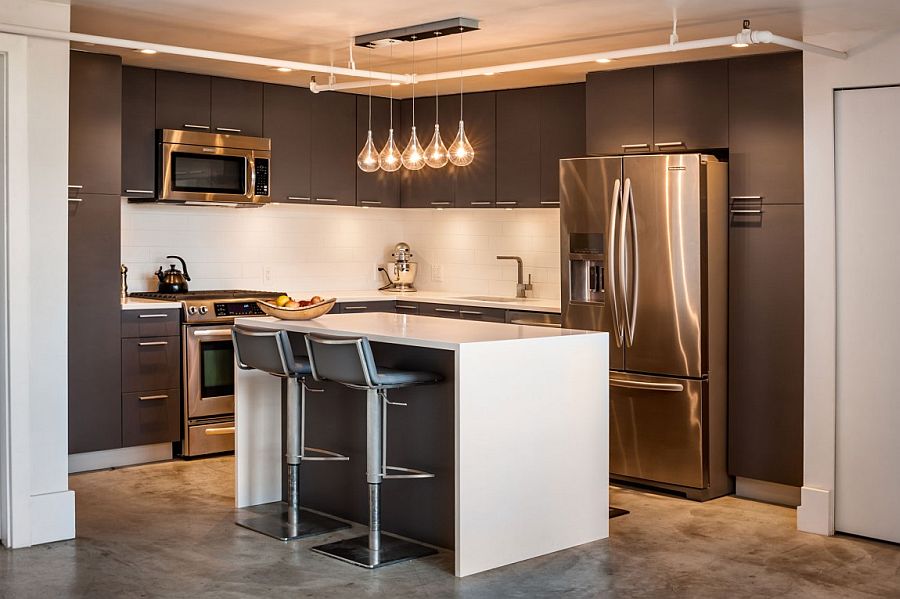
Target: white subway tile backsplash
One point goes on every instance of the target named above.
(336, 247)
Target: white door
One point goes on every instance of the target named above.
(867, 168)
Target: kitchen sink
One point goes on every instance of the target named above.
(492, 298)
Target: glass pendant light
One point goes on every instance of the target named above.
(461, 151)
(367, 160)
(436, 152)
(413, 156)
(389, 159)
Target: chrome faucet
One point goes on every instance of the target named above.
(521, 285)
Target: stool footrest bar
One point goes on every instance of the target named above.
(325, 456)
(409, 473)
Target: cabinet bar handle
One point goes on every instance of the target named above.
(635, 146)
(668, 144)
(549, 203)
(298, 198)
(190, 126)
(733, 211)
(746, 197)
(402, 307)
(76, 200)
(75, 186)
(472, 312)
(149, 343)
(440, 203)
(138, 191)
(224, 430)
(507, 203)
(356, 307)
(326, 200)
(479, 203)
(228, 129)
(150, 397)
(369, 202)
(447, 310)
(153, 315)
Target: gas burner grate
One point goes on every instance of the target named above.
(206, 294)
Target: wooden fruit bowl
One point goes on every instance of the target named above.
(302, 313)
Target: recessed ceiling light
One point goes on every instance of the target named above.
(282, 69)
(146, 51)
(489, 73)
(395, 83)
(604, 60)
(739, 45)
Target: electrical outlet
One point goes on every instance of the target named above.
(267, 273)
(376, 274)
(437, 273)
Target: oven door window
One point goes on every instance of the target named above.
(200, 173)
(216, 369)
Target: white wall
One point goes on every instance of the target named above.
(311, 248)
(38, 241)
(874, 63)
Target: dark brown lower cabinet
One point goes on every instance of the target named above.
(483, 314)
(765, 357)
(151, 417)
(151, 363)
(95, 400)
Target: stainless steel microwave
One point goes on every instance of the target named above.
(211, 168)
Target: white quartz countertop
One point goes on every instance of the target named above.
(139, 303)
(438, 297)
(408, 329)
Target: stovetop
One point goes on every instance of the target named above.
(206, 294)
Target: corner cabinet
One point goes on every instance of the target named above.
(286, 122)
(380, 189)
(333, 149)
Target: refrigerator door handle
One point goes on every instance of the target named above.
(631, 271)
(612, 232)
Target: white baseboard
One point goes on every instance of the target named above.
(761, 490)
(52, 517)
(816, 511)
(116, 458)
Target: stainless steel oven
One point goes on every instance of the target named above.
(211, 168)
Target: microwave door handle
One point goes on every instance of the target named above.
(611, 261)
(251, 176)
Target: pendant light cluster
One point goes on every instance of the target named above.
(414, 157)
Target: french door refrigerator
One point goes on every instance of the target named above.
(644, 253)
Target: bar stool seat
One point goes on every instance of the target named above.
(350, 362)
(271, 352)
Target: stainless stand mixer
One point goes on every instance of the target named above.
(401, 272)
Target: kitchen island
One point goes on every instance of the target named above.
(517, 435)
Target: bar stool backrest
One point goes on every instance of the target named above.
(260, 349)
(345, 360)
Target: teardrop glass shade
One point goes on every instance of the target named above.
(461, 151)
(436, 152)
(389, 159)
(413, 156)
(367, 160)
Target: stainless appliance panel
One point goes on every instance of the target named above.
(211, 437)
(662, 282)
(208, 371)
(589, 191)
(658, 429)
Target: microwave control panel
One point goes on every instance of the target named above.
(262, 177)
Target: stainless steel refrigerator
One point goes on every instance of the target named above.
(644, 252)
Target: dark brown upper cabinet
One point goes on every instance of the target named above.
(286, 121)
(476, 185)
(236, 106)
(95, 123)
(428, 187)
(333, 146)
(619, 111)
(690, 106)
(765, 158)
(519, 147)
(562, 135)
(378, 189)
(138, 132)
(183, 101)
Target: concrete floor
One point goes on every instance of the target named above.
(165, 530)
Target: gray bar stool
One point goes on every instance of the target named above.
(270, 351)
(349, 361)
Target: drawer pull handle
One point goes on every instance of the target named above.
(549, 203)
(151, 397)
(224, 430)
(326, 200)
(190, 126)
(635, 146)
(479, 203)
(298, 198)
(138, 191)
(746, 197)
(75, 186)
(372, 202)
(150, 343)
(507, 203)
(76, 200)
(401, 307)
(440, 203)
(228, 129)
(733, 211)
(153, 316)
(447, 310)
(356, 307)
(472, 312)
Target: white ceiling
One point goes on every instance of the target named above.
(511, 31)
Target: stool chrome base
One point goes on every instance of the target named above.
(274, 520)
(356, 551)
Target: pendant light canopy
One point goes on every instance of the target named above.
(461, 151)
(436, 152)
(413, 156)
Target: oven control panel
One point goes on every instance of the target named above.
(219, 310)
(235, 309)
